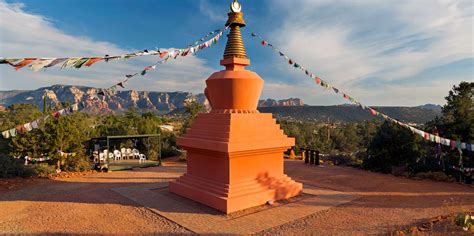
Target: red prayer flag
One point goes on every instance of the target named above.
(264, 43)
(318, 80)
(24, 63)
(163, 54)
(346, 97)
(55, 114)
(92, 61)
(20, 129)
(290, 62)
(373, 112)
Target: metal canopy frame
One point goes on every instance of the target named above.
(137, 136)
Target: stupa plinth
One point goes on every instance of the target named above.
(235, 153)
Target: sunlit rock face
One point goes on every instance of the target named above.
(159, 102)
(291, 102)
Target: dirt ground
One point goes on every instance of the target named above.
(86, 204)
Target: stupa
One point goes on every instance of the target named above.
(235, 153)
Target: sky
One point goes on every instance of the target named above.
(390, 53)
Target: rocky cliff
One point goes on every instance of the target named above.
(290, 102)
(160, 102)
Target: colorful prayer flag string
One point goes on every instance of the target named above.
(171, 54)
(427, 136)
(36, 64)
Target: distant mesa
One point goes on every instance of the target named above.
(174, 102)
(290, 102)
(158, 102)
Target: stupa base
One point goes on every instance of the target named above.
(234, 197)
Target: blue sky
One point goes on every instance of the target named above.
(380, 52)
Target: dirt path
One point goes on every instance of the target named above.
(87, 204)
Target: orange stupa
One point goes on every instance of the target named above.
(235, 153)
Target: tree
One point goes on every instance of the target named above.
(457, 120)
(24, 144)
(192, 110)
(393, 146)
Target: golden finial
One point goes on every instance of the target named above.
(235, 45)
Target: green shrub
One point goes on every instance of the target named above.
(77, 163)
(11, 167)
(43, 169)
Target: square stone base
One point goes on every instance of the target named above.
(204, 220)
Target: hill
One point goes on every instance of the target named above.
(344, 113)
(173, 103)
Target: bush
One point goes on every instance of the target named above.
(11, 167)
(393, 146)
(43, 169)
(77, 163)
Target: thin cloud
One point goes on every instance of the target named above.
(346, 42)
(211, 12)
(30, 35)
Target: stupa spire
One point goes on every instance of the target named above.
(235, 44)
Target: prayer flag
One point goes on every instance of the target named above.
(75, 107)
(373, 112)
(121, 85)
(20, 129)
(335, 90)
(40, 64)
(55, 114)
(6, 134)
(28, 127)
(24, 63)
(290, 62)
(93, 60)
(163, 54)
(12, 132)
(78, 64)
(318, 80)
(55, 62)
(8, 61)
(70, 62)
(264, 43)
(432, 138)
(34, 124)
(453, 144)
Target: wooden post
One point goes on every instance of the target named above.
(317, 158)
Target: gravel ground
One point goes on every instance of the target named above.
(85, 205)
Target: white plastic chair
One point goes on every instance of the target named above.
(136, 154)
(117, 154)
(142, 157)
(102, 157)
(129, 153)
(124, 153)
(107, 154)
